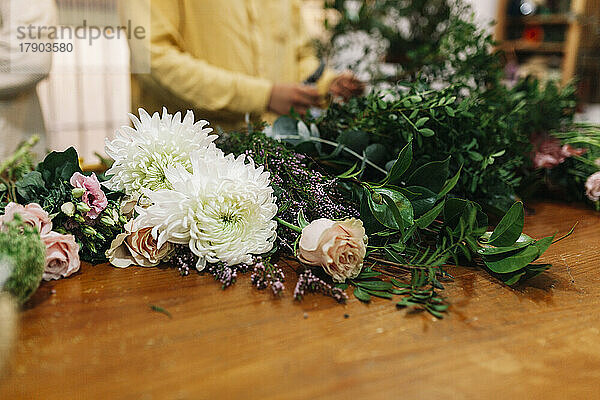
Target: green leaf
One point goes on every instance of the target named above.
(351, 173)
(367, 275)
(399, 284)
(401, 165)
(285, 126)
(456, 209)
(421, 122)
(59, 166)
(398, 247)
(450, 184)
(511, 262)
(422, 199)
(432, 175)
(393, 210)
(426, 132)
(376, 153)
(355, 140)
(362, 295)
(430, 216)
(301, 219)
(31, 186)
(510, 227)
(383, 295)
(523, 241)
(543, 244)
(374, 285)
(394, 256)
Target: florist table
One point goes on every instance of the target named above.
(95, 335)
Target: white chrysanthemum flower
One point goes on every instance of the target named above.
(224, 209)
(142, 155)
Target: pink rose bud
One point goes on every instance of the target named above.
(337, 246)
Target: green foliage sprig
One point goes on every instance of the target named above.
(486, 135)
(25, 253)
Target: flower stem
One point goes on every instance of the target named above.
(288, 225)
(334, 144)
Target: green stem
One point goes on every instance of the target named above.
(288, 225)
(334, 144)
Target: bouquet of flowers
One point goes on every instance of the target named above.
(173, 196)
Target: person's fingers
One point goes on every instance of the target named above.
(300, 101)
(340, 91)
(353, 84)
(311, 94)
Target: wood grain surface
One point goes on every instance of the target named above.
(95, 336)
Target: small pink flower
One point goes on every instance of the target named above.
(32, 214)
(93, 196)
(62, 256)
(592, 187)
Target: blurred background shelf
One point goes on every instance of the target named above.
(563, 34)
(525, 46)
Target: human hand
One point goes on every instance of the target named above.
(285, 96)
(346, 86)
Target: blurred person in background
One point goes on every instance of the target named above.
(225, 59)
(20, 72)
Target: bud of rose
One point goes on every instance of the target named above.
(106, 220)
(337, 246)
(89, 231)
(79, 219)
(377, 198)
(83, 208)
(78, 192)
(68, 209)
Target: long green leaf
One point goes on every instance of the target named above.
(510, 227)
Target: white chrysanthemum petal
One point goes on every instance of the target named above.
(144, 153)
(224, 209)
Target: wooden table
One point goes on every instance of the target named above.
(94, 336)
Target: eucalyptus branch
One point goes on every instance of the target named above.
(334, 144)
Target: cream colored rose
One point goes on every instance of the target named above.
(337, 246)
(592, 187)
(137, 247)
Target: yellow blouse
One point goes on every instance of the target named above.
(220, 58)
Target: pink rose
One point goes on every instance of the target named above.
(592, 186)
(137, 247)
(62, 256)
(548, 153)
(32, 214)
(93, 196)
(338, 247)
